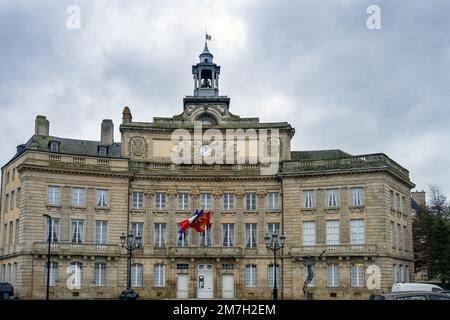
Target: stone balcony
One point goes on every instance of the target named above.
(71, 249)
(198, 252)
(335, 250)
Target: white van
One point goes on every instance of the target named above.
(402, 287)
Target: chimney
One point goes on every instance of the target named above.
(419, 197)
(107, 136)
(126, 115)
(41, 126)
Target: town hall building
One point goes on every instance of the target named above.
(83, 195)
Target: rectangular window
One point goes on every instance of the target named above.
(205, 237)
(309, 233)
(406, 274)
(159, 275)
(398, 236)
(308, 199)
(394, 273)
(54, 146)
(54, 274)
(136, 274)
(332, 198)
(357, 232)
(273, 200)
(227, 266)
(405, 239)
(393, 234)
(305, 275)
(357, 197)
(11, 232)
(100, 274)
(137, 200)
(160, 235)
(332, 235)
(357, 274)
(101, 232)
(77, 231)
(183, 200)
(397, 202)
(76, 275)
(182, 239)
(3, 279)
(160, 200)
(228, 234)
(182, 266)
(138, 229)
(102, 198)
(391, 199)
(251, 276)
(5, 210)
(250, 235)
(402, 273)
(77, 197)
(228, 201)
(333, 275)
(205, 200)
(5, 230)
(271, 275)
(402, 204)
(250, 200)
(16, 239)
(18, 198)
(54, 195)
(103, 150)
(12, 201)
(273, 228)
(54, 230)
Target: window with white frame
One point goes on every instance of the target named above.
(402, 204)
(8, 275)
(4, 273)
(77, 231)
(102, 198)
(159, 275)
(405, 239)
(54, 195)
(77, 197)
(308, 199)
(357, 274)
(12, 200)
(14, 274)
(271, 275)
(101, 232)
(393, 234)
(205, 200)
(357, 195)
(18, 197)
(137, 270)
(305, 275)
(309, 233)
(228, 201)
(250, 235)
(76, 275)
(182, 238)
(406, 274)
(398, 236)
(205, 237)
(54, 274)
(250, 200)
(332, 198)
(183, 200)
(16, 238)
(273, 228)
(137, 200)
(391, 199)
(402, 273)
(54, 230)
(394, 273)
(100, 274)
(333, 275)
(332, 232)
(273, 200)
(251, 276)
(228, 234)
(138, 229)
(54, 146)
(160, 198)
(160, 235)
(357, 231)
(397, 201)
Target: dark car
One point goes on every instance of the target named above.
(411, 295)
(6, 290)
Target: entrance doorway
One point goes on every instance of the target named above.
(228, 286)
(182, 286)
(205, 282)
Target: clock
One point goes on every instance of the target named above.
(205, 150)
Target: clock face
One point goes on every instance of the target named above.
(205, 150)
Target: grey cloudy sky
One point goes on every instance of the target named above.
(312, 63)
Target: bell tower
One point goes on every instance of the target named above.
(206, 75)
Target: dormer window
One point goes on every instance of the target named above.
(103, 150)
(54, 146)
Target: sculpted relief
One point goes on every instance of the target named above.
(138, 147)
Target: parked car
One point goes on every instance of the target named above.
(6, 290)
(411, 295)
(403, 287)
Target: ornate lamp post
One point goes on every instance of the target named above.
(274, 243)
(130, 242)
(49, 223)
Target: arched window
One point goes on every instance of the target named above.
(207, 119)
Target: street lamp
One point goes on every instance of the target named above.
(49, 223)
(130, 242)
(274, 243)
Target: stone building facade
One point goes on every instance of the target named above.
(357, 208)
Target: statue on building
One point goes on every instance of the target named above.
(309, 262)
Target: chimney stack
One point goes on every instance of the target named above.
(126, 115)
(107, 135)
(419, 197)
(41, 126)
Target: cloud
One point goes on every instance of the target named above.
(314, 64)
